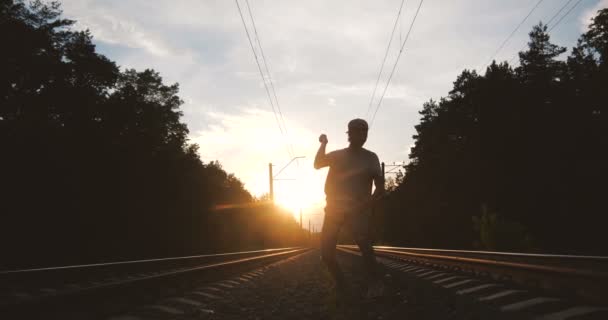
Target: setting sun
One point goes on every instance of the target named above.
(304, 192)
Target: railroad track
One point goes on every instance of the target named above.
(99, 290)
(540, 286)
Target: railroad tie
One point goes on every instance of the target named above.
(185, 301)
(165, 309)
(435, 276)
(206, 295)
(571, 312)
(477, 288)
(421, 270)
(499, 295)
(527, 303)
(458, 283)
(225, 285)
(410, 268)
(426, 273)
(233, 282)
(440, 281)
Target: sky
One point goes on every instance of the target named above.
(324, 58)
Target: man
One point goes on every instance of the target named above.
(350, 200)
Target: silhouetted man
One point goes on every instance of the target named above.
(348, 191)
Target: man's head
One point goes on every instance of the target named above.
(357, 132)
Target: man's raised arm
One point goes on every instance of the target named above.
(321, 158)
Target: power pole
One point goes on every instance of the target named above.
(301, 218)
(392, 166)
(271, 182)
(309, 230)
(272, 178)
(383, 172)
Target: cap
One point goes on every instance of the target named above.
(357, 124)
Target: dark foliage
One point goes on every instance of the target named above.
(514, 159)
(95, 163)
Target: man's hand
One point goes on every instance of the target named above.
(323, 139)
(321, 158)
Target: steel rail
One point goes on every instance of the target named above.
(106, 264)
(163, 274)
(565, 271)
(500, 253)
(582, 277)
(87, 294)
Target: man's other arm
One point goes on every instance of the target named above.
(321, 159)
(378, 177)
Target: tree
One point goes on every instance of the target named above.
(96, 163)
(518, 151)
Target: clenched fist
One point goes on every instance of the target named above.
(323, 139)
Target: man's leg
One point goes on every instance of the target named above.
(329, 239)
(360, 228)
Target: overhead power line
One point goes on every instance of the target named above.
(502, 45)
(369, 107)
(512, 60)
(269, 75)
(407, 36)
(257, 61)
(566, 14)
(559, 11)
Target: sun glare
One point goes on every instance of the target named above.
(304, 194)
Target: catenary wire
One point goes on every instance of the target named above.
(257, 61)
(566, 14)
(502, 45)
(371, 101)
(556, 23)
(267, 68)
(395, 64)
(276, 99)
(559, 11)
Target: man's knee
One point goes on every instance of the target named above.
(328, 255)
(363, 241)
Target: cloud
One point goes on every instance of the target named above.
(324, 57)
(585, 18)
(252, 139)
(113, 28)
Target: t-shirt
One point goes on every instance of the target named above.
(350, 177)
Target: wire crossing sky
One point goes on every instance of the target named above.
(325, 57)
(388, 82)
(512, 60)
(267, 68)
(559, 11)
(565, 15)
(502, 45)
(279, 118)
(390, 41)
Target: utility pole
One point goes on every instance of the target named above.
(393, 166)
(309, 230)
(271, 182)
(301, 218)
(272, 178)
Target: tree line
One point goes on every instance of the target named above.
(514, 158)
(96, 163)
